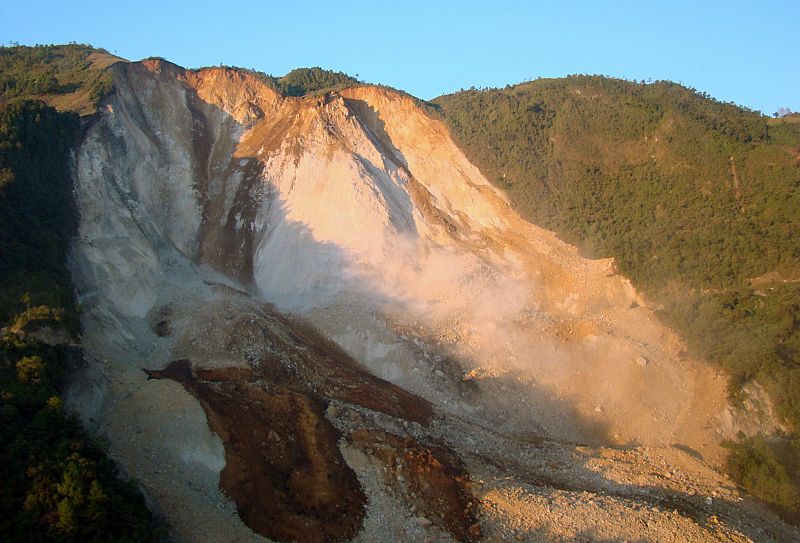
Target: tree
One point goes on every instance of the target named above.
(30, 370)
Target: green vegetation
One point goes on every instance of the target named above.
(36, 213)
(64, 76)
(757, 466)
(56, 485)
(698, 202)
(304, 81)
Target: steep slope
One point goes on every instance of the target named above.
(363, 201)
(207, 195)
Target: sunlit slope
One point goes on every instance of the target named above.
(357, 203)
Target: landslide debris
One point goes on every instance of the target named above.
(283, 468)
(282, 465)
(431, 479)
(431, 312)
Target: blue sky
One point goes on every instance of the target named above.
(746, 52)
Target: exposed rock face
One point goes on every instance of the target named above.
(206, 195)
(361, 199)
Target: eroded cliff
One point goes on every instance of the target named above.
(465, 340)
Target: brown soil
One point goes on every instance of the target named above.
(282, 464)
(283, 468)
(305, 359)
(432, 479)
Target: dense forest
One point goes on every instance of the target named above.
(302, 81)
(698, 201)
(58, 485)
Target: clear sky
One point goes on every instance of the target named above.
(746, 52)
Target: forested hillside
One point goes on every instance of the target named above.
(698, 201)
(57, 484)
(67, 77)
(303, 81)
